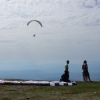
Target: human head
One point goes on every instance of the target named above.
(85, 61)
(67, 61)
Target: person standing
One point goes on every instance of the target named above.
(66, 72)
(86, 75)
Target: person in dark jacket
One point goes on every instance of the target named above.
(86, 75)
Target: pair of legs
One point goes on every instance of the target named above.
(66, 76)
(86, 76)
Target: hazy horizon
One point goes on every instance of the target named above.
(43, 75)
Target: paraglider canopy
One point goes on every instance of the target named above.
(36, 21)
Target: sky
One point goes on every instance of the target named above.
(71, 31)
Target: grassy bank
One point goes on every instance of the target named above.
(81, 91)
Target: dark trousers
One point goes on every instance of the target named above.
(66, 76)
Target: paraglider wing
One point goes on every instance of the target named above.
(36, 21)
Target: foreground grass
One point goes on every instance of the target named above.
(81, 91)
